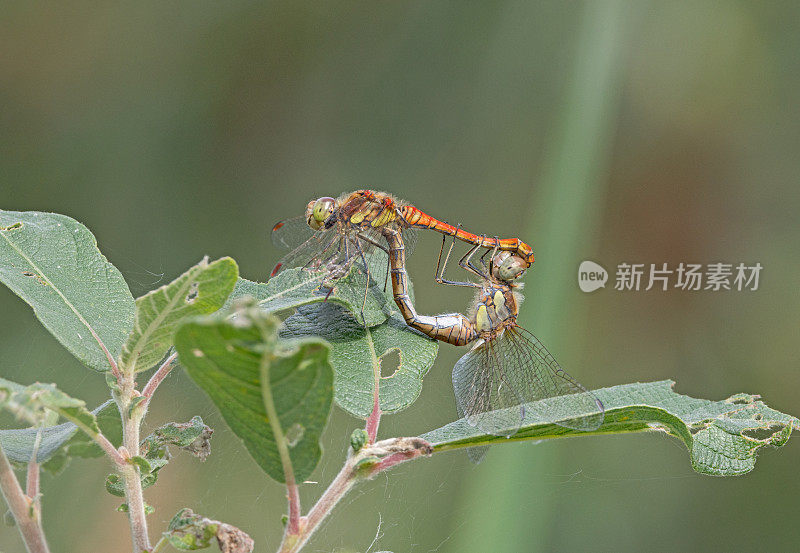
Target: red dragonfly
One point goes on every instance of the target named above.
(334, 234)
(507, 366)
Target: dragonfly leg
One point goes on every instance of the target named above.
(366, 238)
(369, 240)
(440, 267)
(366, 286)
(466, 261)
(488, 268)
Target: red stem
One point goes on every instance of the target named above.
(374, 419)
(293, 494)
(111, 362)
(158, 377)
(25, 514)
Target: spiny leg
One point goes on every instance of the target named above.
(440, 267)
(385, 249)
(466, 261)
(488, 269)
(366, 286)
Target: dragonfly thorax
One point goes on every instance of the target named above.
(496, 308)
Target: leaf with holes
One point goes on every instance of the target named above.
(52, 262)
(188, 531)
(723, 437)
(201, 290)
(274, 394)
(357, 352)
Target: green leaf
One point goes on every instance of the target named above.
(247, 288)
(36, 404)
(242, 365)
(188, 531)
(61, 442)
(357, 353)
(192, 436)
(52, 262)
(723, 437)
(297, 287)
(32, 404)
(201, 290)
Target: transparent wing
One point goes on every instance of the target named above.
(537, 376)
(290, 233)
(483, 396)
(375, 250)
(323, 248)
(495, 380)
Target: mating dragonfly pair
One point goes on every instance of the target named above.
(507, 367)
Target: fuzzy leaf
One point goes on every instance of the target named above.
(32, 404)
(240, 363)
(247, 288)
(188, 531)
(357, 352)
(297, 287)
(52, 263)
(723, 437)
(201, 290)
(62, 442)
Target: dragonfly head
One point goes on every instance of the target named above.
(318, 212)
(507, 266)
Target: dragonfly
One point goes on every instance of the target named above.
(506, 367)
(336, 234)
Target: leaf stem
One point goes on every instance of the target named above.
(25, 511)
(158, 377)
(112, 363)
(99, 438)
(159, 545)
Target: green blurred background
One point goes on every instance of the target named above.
(639, 132)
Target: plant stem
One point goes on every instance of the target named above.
(158, 377)
(374, 419)
(25, 511)
(159, 545)
(32, 476)
(130, 472)
(335, 492)
(390, 452)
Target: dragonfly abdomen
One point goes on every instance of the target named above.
(413, 217)
(453, 328)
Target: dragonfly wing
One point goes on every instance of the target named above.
(322, 248)
(410, 240)
(484, 394)
(291, 233)
(536, 375)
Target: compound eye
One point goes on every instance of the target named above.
(323, 208)
(509, 267)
